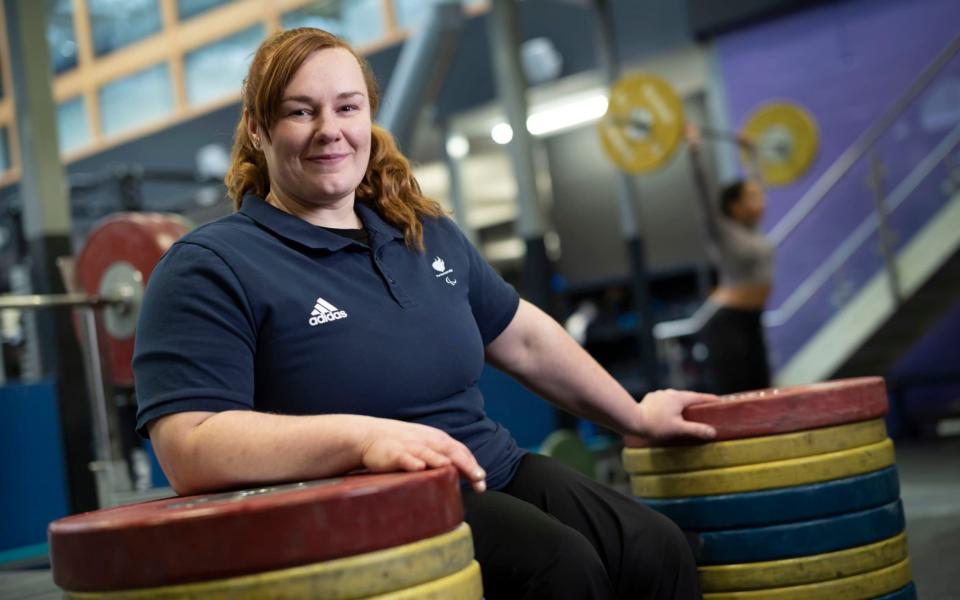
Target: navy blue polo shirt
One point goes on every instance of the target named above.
(263, 311)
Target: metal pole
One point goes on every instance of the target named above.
(626, 194)
(504, 37)
(885, 234)
(420, 68)
(102, 467)
(457, 200)
(47, 228)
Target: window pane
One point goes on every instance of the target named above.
(119, 23)
(357, 21)
(136, 99)
(218, 69)
(60, 37)
(73, 129)
(192, 8)
(4, 150)
(410, 13)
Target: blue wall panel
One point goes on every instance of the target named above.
(33, 488)
(528, 418)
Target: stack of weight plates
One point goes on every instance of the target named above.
(398, 536)
(797, 499)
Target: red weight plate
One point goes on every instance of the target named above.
(202, 538)
(139, 239)
(796, 408)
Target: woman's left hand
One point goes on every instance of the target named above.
(660, 415)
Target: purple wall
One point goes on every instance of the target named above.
(847, 62)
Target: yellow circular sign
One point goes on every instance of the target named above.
(643, 123)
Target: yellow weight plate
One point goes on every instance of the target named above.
(865, 585)
(765, 476)
(643, 124)
(465, 584)
(748, 451)
(364, 575)
(786, 139)
(805, 569)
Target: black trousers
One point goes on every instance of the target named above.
(738, 352)
(553, 533)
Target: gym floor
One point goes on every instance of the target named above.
(930, 490)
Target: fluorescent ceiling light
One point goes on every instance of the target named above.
(502, 133)
(556, 117)
(566, 115)
(458, 146)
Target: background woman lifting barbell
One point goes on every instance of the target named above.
(778, 144)
(642, 129)
(743, 257)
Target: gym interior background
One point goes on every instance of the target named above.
(139, 100)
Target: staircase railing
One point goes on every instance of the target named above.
(902, 150)
(859, 148)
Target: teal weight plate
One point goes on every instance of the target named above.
(802, 538)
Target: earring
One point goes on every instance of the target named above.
(256, 141)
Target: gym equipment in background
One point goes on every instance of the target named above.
(645, 121)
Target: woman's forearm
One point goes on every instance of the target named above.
(539, 353)
(203, 451)
(542, 356)
(208, 451)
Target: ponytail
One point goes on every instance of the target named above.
(248, 168)
(391, 187)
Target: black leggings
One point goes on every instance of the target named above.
(738, 353)
(553, 533)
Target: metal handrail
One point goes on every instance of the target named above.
(818, 191)
(817, 279)
(666, 330)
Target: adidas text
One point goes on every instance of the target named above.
(327, 317)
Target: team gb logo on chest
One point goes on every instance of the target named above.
(442, 271)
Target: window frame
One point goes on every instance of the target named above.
(170, 45)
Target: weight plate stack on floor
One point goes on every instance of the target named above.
(398, 535)
(797, 499)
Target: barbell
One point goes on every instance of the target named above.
(116, 261)
(645, 121)
(109, 275)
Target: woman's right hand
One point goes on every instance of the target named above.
(692, 134)
(390, 445)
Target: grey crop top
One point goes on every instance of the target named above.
(742, 255)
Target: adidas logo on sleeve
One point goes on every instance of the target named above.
(324, 312)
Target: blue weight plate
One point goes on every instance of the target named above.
(907, 592)
(802, 538)
(783, 505)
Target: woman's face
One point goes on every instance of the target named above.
(749, 208)
(319, 147)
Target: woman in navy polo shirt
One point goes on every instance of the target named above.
(339, 321)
